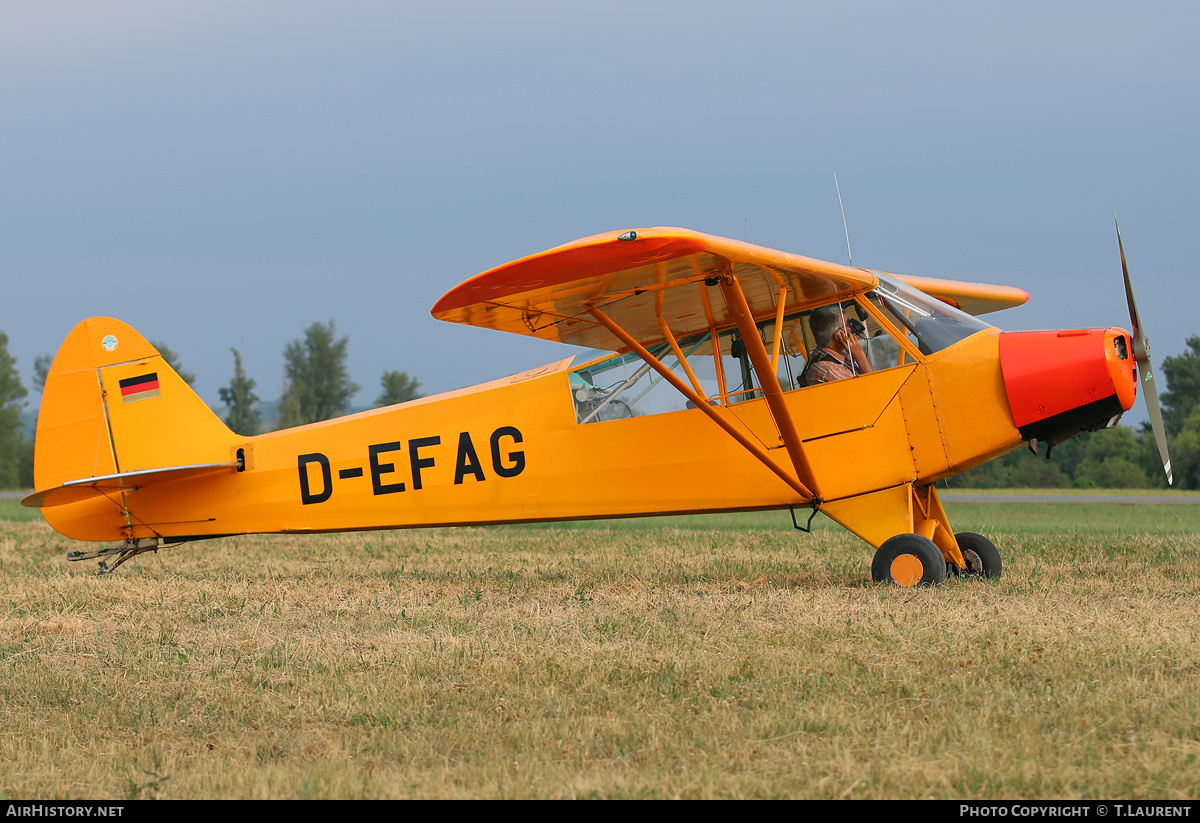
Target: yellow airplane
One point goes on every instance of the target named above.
(699, 401)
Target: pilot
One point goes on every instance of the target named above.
(839, 353)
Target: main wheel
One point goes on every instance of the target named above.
(981, 554)
(909, 560)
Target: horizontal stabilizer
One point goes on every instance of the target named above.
(73, 491)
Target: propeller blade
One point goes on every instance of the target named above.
(1141, 354)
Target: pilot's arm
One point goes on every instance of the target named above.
(854, 347)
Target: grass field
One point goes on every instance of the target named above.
(699, 657)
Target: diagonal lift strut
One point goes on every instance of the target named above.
(803, 480)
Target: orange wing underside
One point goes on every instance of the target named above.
(636, 277)
(660, 273)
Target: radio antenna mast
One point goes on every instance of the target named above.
(849, 254)
(845, 226)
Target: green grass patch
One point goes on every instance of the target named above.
(12, 510)
(1080, 516)
(1074, 518)
(1159, 493)
(718, 656)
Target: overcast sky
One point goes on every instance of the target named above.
(223, 174)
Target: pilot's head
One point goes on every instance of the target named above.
(825, 323)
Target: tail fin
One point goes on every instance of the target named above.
(113, 409)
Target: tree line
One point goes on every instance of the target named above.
(317, 386)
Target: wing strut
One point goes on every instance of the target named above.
(702, 403)
(767, 378)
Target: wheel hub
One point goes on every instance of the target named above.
(906, 570)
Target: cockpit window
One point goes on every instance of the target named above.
(931, 323)
(622, 385)
(625, 386)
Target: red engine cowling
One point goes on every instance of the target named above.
(1061, 383)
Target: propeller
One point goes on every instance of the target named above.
(1141, 354)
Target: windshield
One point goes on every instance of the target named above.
(931, 323)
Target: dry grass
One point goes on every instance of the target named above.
(632, 661)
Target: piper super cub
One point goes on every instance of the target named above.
(707, 399)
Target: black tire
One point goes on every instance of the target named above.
(909, 560)
(981, 554)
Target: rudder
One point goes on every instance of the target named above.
(112, 405)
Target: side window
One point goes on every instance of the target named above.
(883, 351)
(880, 350)
(624, 386)
(621, 386)
(794, 346)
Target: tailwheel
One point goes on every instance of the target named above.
(981, 554)
(128, 550)
(909, 560)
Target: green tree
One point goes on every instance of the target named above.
(25, 466)
(317, 383)
(173, 361)
(1114, 473)
(397, 387)
(1149, 459)
(1017, 469)
(1115, 458)
(990, 475)
(1182, 374)
(12, 436)
(1036, 472)
(240, 398)
(1109, 459)
(41, 370)
(1185, 452)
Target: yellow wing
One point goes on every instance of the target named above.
(639, 275)
(973, 298)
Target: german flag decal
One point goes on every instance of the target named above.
(142, 387)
